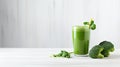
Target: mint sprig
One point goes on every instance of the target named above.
(91, 24)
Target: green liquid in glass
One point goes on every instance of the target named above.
(80, 37)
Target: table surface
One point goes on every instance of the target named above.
(42, 56)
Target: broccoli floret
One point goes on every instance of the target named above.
(102, 50)
(108, 47)
(63, 53)
(95, 52)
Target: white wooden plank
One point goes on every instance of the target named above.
(47, 23)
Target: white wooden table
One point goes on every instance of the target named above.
(40, 57)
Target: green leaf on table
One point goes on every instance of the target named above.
(63, 53)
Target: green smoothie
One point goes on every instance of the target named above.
(80, 37)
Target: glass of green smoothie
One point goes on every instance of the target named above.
(81, 38)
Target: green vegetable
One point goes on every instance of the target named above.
(95, 52)
(63, 54)
(102, 50)
(108, 47)
(86, 23)
(91, 24)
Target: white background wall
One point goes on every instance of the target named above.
(47, 23)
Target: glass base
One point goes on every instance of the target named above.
(77, 55)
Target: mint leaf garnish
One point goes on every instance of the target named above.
(91, 24)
